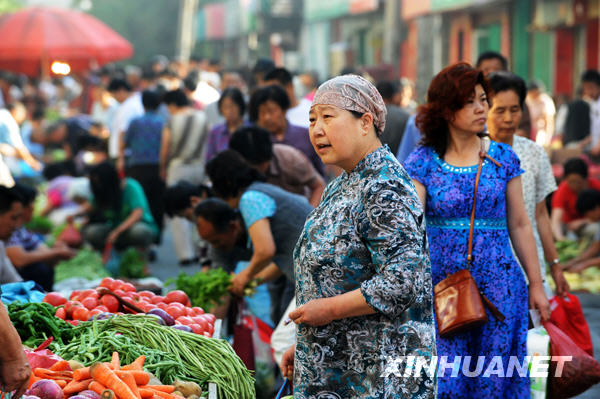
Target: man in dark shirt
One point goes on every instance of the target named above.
(395, 121)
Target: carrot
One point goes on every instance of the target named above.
(33, 378)
(61, 383)
(82, 374)
(140, 377)
(101, 373)
(53, 375)
(137, 364)
(146, 393)
(130, 381)
(162, 388)
(163, 395)
(115, 361)
(61, 365)
(96, 387)
(76, 386)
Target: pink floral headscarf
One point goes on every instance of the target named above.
(353, 93)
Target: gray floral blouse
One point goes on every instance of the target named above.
(367, 233)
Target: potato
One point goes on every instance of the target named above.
(187, 388)
(74, 364)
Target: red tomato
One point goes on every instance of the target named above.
(90, 302)
(128, 287)
(186, 321)
(147, 294)
(189, 312)
(162, 305)
(196, 328)
(73, 322)
(74, 295)
(135, 297)
(157, 298)
(211, 317)
(110, 302)
(85, 294)
(101, 308)
(116, 285)
(175, 311)
(54, 299)
(81, 313)
(70, 308)
(94, 312)
(207, 334)
(177, 296)
(119, 292)
(198, 310)
(211, 329)
(107, 282)
(61, 313)
(202, 321)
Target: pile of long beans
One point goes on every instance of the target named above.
(199, 358)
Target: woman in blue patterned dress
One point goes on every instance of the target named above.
(363, 283)
(443, 171)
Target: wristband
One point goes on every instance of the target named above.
(555, 262)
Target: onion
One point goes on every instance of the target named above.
(46, 389)
(182, 328)
(88, 394)
(158, 319)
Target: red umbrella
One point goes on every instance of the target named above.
(39, 36)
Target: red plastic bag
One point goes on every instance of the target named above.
(42, 357)
(578, 374)
(71, 236)
(568, 316)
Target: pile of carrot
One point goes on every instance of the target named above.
(127, 382)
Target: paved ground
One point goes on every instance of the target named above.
(167, 266)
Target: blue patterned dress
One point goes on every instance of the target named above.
(447, 212)
(367, 233)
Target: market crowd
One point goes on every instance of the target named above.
(346, 198)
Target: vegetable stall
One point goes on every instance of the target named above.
(115, 342)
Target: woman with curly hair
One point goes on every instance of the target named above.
(444, 171)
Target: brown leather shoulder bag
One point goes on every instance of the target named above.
(459, 304)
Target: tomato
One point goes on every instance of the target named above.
(147, 294)
(207, 334)
(110, 302)
(198, 310)
(201, 321)
(175, 311)
(74, 295)
(196, 328)
(81, 313)
(107, 282)
(90, 302)
(116, 285)
(54, 299)
(101, 308)
(119, 292)
(157, 298)
(94, 312)
(186, 321)
(70, 308)
(211, 329)
(128, 287)
(177, 296)
(86, 293)
(211, 317)
(61, 313)
(189, 312)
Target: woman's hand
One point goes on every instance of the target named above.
(562, 287)
(315, 313)
(539, 301)
(287, 363)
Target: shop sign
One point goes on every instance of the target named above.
(214, 20)
(316, 10)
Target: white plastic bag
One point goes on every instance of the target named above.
(538, 344)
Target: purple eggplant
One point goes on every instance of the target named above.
(182, 328)
(169, 321)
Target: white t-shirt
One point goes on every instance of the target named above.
(8, 273)
(299, 114)
(127, 111)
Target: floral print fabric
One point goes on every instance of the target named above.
(367, 233)
(495, 270)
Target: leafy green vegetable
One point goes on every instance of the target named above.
(132, 264)
(40, 224)
(35, 322)
(86, 264)
(205, 289)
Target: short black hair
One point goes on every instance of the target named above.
(576, 166)
(177, 197)
(191, 82)
(587, 201)
(273, 93)
(492, 55)
(235, 95)
(253, 143)
(231, 174)
(503, 81)
(263, 65)
(117, 84)
(592, 76)
(61, 168)
(281, 75)
(27, 193)
(150, 100)
(387, 89)
(176, 97)
(8, 196)
(217, 212)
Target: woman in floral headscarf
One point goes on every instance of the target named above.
(363, 282)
